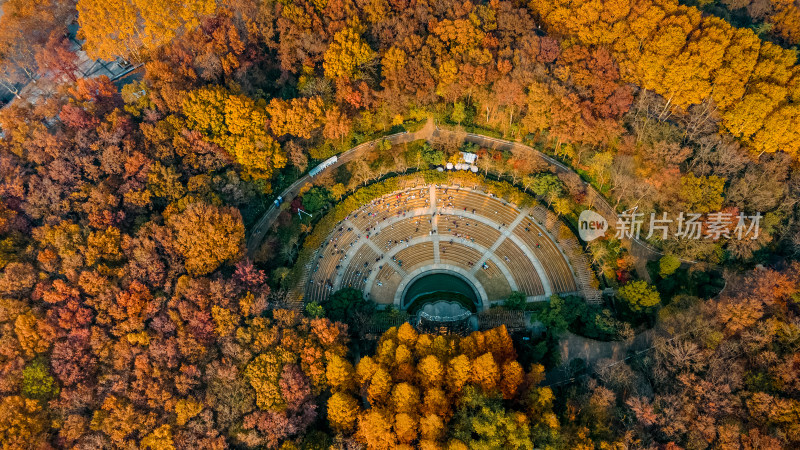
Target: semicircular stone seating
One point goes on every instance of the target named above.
(495, 245)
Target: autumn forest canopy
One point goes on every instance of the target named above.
(149, 296)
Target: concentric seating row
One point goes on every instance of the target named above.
(385, 284)
(555, 266)
(584, 278)
(388, 236)
(359, 268)
(476, 203)
(385, 273)
(459, 255)
(415, 256)
(461, 229)
(330, 255)
(362, 247)
(521, 268)
(396, 204)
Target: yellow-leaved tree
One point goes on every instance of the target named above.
(692, 58)
(342, 412)
(485, 372)
(340, 373)
(346, 54)
(130, 28)
(425, 391)
(431, 371)
(237, 124)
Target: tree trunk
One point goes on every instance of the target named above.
(666, 108)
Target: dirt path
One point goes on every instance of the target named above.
(591, 351)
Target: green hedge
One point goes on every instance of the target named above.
(414, 125)
(369, 193)
(346, 206)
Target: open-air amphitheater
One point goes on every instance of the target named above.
(497, 247)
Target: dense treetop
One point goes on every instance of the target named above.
(130, 316)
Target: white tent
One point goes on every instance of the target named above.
(469, 158)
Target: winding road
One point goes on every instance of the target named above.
(269, 217)
(642, 251)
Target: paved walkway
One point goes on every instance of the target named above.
(44, 86)
(596, 354)
(641, 251)
(269, 217)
